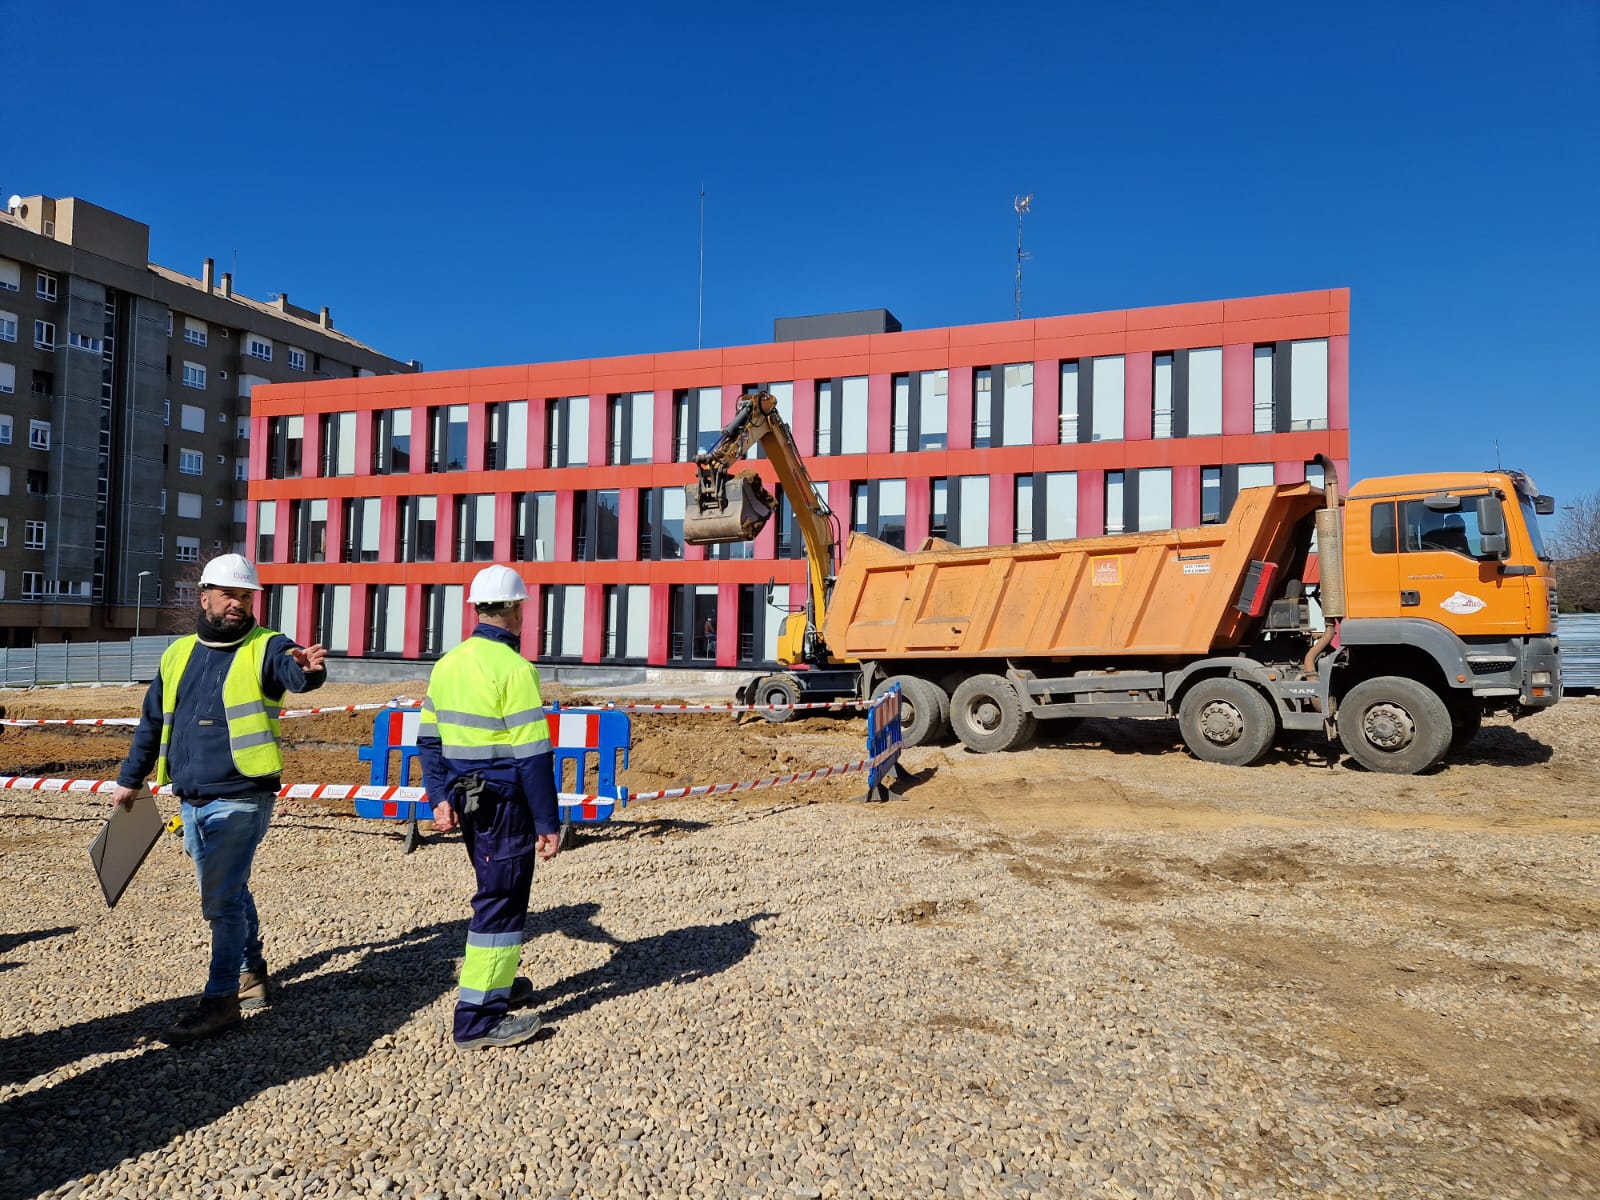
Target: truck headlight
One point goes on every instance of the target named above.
(1540, 679)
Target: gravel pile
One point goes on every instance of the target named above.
(760, 999)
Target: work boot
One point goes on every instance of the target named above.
(256, 990)
(509, 1032)
(209, 1017)
(521, 991)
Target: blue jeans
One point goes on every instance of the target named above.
(221, 837)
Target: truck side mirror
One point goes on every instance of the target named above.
(1492, 525)
(1545, 506)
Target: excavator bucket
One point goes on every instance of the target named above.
(727, 509)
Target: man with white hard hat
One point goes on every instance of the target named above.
(210, 729)
(487, 767)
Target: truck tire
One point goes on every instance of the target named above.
(1465, 721)
(777, 689)
(1227, 721)
(922, 716)
(1394, 725)
(987, 715)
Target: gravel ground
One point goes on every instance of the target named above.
(1133, 985)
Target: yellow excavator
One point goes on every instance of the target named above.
(723, 505)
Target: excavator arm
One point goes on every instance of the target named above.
(721, 506)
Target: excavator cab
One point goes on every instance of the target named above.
(719, 507)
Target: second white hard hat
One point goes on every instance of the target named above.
(230, 571)
(496, 585)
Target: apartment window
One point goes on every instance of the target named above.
(46, 287)
(1154, 498)
(386, 619)
(474, 528)
(190, 462)
(1116, 512)
(33, 585)
(415, 529)
(448, 435)
(193, 418)
(266, 530)
(44, 335)
(982, 408)
(1264, 362)
(506, 436)
(1203, 400)
(630, 428)
(194, 332)
(441, 618)
(1070, 404)
(33, 534)
(1211, 495)
(968, 518)
(1046, 506)
(194, 375)
(1161, 398)
(338, 434)
(363, 526)
(44, 383)
(534, 533)
(38, 483)
(166, 412)
(310, 521)
(842, 415)
(258, 347)
(607, 524)
(8, 379)
(82, 341)
(1016, 406)
(189, 505)
(1109, 388)
(5, 528)
(696, 422)
(660, 524)
(8, 327)
(331, 604)
(627, 622)
(921, 411)
(10, 276)
(297, 359)
(567, 432)
(391, 447)
(5, 430)
(1255, 475)
(188, 549)
(1308, 384)
(285, 444)
(39, 435)
(878, 509)
(562, 632)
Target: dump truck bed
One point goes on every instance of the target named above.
(1171, 592)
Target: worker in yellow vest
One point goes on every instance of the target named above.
(487, 767)
(210, 728)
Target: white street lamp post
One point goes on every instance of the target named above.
(138, 602)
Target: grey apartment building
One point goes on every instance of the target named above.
(125, 418)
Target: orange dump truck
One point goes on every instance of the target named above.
(1393, 621)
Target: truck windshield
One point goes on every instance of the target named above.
(1531, 520)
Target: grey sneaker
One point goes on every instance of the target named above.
(511, 1031)
(256, 990)
(209, 1017)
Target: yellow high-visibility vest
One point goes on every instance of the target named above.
(252, 718)
(484, 704)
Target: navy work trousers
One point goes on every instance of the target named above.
(501, 842)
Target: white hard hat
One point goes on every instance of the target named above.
(497, 585)
(230, 571)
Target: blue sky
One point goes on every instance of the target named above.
(499, 183)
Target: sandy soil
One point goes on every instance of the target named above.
(1441, 929)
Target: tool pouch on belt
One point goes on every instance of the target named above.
(467, 792)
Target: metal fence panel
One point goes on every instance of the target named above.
(83, 662)
(1580, 650)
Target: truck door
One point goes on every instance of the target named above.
(1372, 560)
(1445, 574)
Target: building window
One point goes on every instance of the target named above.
(46, 288)
(1211, 495)
(1264, 363)
(1070, 404)
(194, 375)
(33, 534)
(189, 505)
(8, 327)
(297, 360)
(190, 462)
(391, 447)
(567, 432)
(82, 341)
(1203, 402)
(38, 483)
(982, 408)
(608, 522)
(448, 435)
(630, 428)
(8, 379)
(258, 347)
(33, 585)
(1109, 388)
(842, 415)
(44, 335)
(1046, 506)
(562, 630)
(696, 422)
(10, 276)
(415, 529)
(194, 332)
(266, 529)
(534, 536)
(506, 436)
(661, 524)
(386, 619)
(193, 418)
(1308, 384)
(1016, 406)
(363, 527)
(39, 435)
(331, 604)
(1154, 498)
(5, 430)
(921, 412)
(5, 529)
(1161, 398)
(338, 434)
(474, 528)
(188, 549)
(285, 444)
(310, 521)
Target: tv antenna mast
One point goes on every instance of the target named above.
(1021, 204)
(700, 316)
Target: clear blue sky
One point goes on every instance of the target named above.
(490, 183)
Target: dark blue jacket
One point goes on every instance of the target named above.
(531, 778)
(200, 761)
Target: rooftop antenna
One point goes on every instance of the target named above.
(1497, 465)
(700, 316)
(1021, 204)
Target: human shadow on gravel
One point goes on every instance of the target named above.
(677, 956)
(128, 1106)
(10, 941)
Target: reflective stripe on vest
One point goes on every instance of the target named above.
(465, 690)
(252, 718)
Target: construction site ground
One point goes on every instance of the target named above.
(1439, 935)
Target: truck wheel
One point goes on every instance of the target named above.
(922, 717)
(1227, 721)
(987, 715)
(1394, 725)
(777, 689)
(1465, 721)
